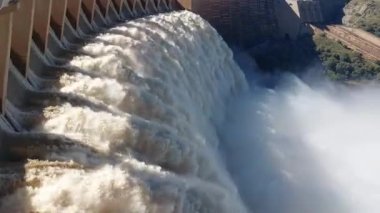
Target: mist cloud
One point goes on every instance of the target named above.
(301, 148)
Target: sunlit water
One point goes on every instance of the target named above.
(182, 133)
(166, 80)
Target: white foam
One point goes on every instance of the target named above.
(171, 76)
(298, 148)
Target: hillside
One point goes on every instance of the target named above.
(364, 14)
(339, 62)
(342, 64)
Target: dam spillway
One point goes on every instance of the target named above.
(132, 106)
(126, 121)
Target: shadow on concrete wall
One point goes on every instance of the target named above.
(286, 55)
(333, 11)
(289, 22)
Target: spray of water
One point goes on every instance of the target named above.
(167, 80)
(301, 148)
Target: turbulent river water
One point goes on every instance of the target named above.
(183, 132)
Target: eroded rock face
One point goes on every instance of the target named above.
(364, 14)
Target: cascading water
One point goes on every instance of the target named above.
(306, 147)
(168, 86)
(166, 80)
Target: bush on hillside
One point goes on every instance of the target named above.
(342, 64)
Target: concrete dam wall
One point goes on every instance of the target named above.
(242, 22)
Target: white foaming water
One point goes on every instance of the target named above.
(306, 149)
(167, 81)
(171, 77)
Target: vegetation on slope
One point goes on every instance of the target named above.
(339, 62)
(364, 14)
(343, 64)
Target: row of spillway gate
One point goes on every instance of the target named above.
(37, 37)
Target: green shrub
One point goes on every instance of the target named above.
(344, 64)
